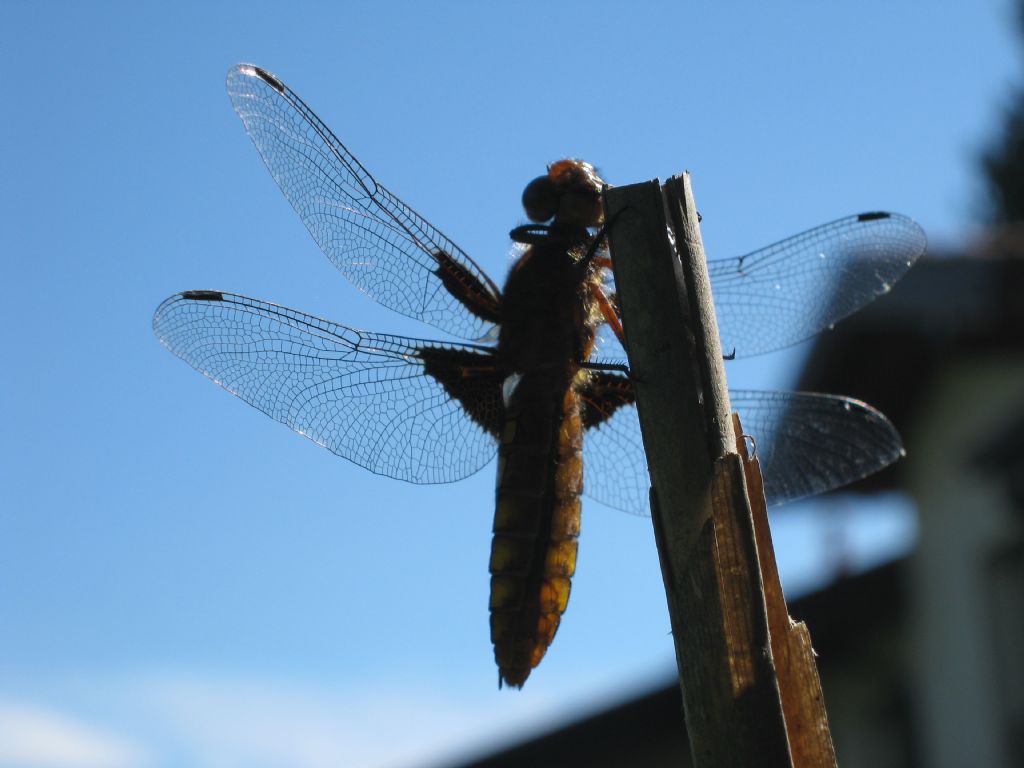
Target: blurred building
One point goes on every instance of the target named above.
(922, 660)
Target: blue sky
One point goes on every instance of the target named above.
(183, 581)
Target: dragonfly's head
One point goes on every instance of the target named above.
(569, 193)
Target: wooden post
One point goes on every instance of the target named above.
(704, 528)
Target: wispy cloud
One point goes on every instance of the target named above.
(150, 720)
(34, 737)
(244, 724)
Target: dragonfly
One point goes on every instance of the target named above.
(531, 383)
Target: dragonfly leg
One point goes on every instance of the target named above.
(595, 244)
(608, 311)
(592, 365)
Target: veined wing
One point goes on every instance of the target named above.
(419, 411)
(377, 241)
(789, 291)
(810, 443)
(807, 444)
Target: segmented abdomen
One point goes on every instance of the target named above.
(537, 522)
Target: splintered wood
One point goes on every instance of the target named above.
(803, 704)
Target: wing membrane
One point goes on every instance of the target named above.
(807, 444)
(615, 465)
(787, 292)
(377, 241)
(810, 443)
(367, 397)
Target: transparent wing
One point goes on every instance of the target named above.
(810, 443)
(367, 397)
(615, 465)
(378, 242)
(807, 444)
(789, 291)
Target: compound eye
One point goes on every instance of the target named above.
(540, 199)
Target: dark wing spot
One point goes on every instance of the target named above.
(467, 288)
(203, 295)
(269, 79)
(473, 379)
(604, 394)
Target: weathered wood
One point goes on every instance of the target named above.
(689, 245)
(661, 351)
(702, 517)
(803, 703)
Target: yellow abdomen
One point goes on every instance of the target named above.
(537, 522)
